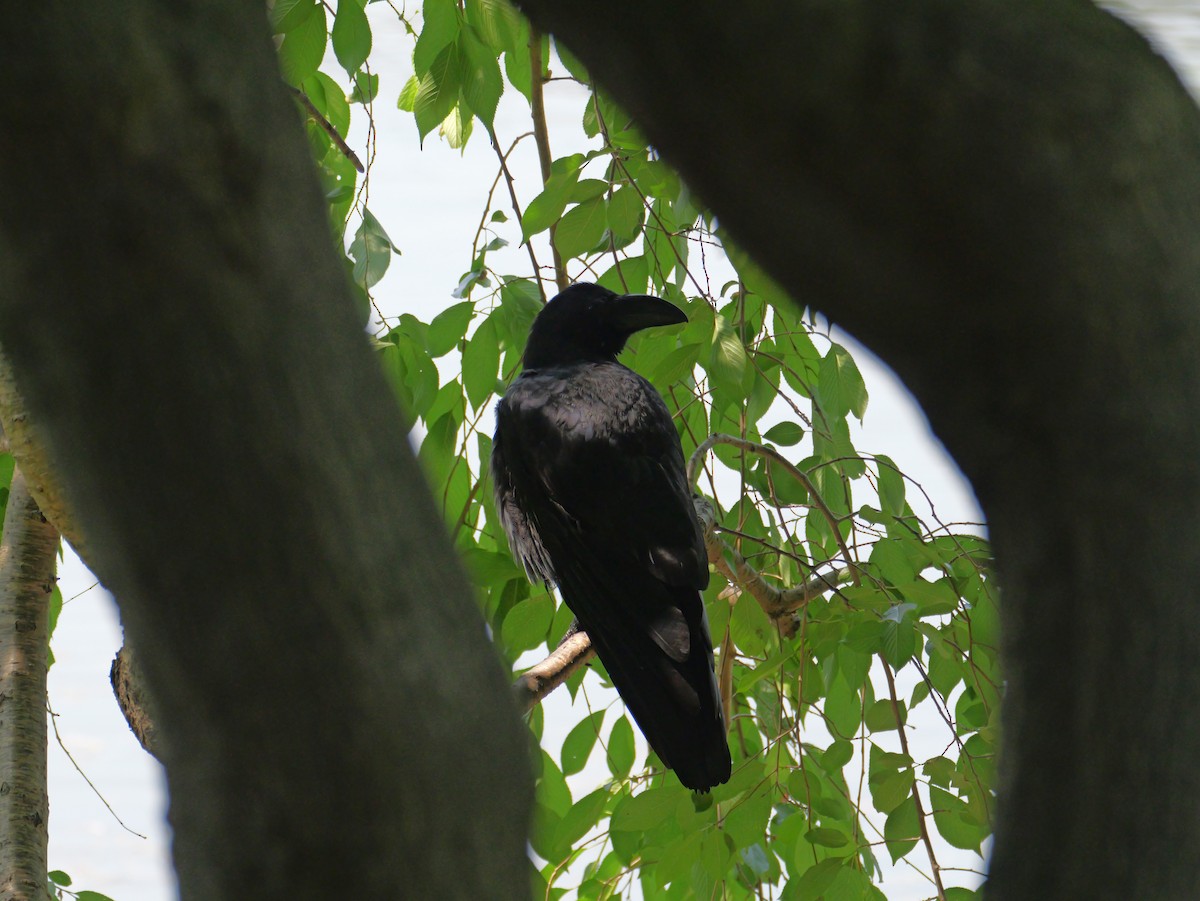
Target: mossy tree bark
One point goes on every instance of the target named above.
(1002, 199)
(332, 718)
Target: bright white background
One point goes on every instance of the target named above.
(430, 203)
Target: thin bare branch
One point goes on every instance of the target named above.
(328, 128)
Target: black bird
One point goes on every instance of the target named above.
(590, 488)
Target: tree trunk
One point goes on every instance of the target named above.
(331, 715)
(1002, 199)
(28, 549)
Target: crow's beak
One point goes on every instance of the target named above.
(634, 312)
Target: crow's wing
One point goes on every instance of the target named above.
(589, 467)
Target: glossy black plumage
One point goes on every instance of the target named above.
(590, 487)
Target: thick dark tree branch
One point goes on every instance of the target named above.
(263, 524)
(1003, 200)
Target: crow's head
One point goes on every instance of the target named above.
(587, 323)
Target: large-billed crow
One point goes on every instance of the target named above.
(591, 490)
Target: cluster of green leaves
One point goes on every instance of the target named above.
(818, 714)
(304, 32)
(456, 66)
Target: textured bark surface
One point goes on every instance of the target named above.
(29, 451)
(1002, 199)
(332, 718)
(28, 556)
(130, 690)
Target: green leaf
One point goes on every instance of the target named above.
(480, 360)
(728, 364)
(581, 229)
(366, 88)
(448, 328)
(327, 97)
(408, 94)
(303, 48)
(439, 29)
(571, 63)
(880, 716)
(58, 877)
(901, 831)
(545, 209)
(586, 189)
(526, 624)
(496, 22)
(891, 486)
(637, 813)
(939, 771)
(288, 14)
(625, 215)
(482, 83)
(437, 93)
(851, 885)
(899, 636)
(813, 884)
(826, 837)
(92, 896)
(552, 787)
(843, 709)
(519, 70)
(628, 276)
(577, 746)
(371, 250)
(950, 815)
(456, 129)
(840, 387)
(351, 35)
(785, 433)
(889, 788)
(837, 755)
(920, 693)
(620, 748)
(580, 820)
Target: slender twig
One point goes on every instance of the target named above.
(516, 205)
(58, 737)
(937, 870)
(542, 136)
(328, 128)
(487, 207)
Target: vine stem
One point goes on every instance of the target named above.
(937, 870)
(516, 204)
(541, 136)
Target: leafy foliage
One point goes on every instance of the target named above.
(830, 774)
